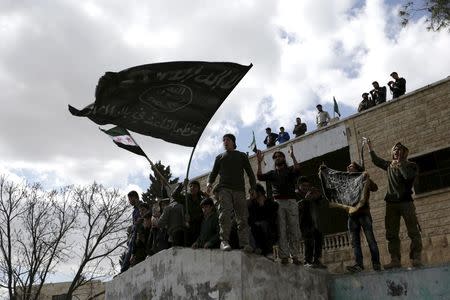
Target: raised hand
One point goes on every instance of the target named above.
(260, 156)
(291, 150)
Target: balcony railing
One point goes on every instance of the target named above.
(333, 242)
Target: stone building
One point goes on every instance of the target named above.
(421, 121)
(57, 291)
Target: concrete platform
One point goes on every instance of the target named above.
(183, 273)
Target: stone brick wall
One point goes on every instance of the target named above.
(421, 121)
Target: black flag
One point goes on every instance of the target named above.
(342, 187)
(173, 101)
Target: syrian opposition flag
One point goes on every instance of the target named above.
(336, 107)
(122, 138)
(253, 144)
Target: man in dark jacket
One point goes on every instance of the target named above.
(262, 218)
(142, 235)
(230, 192)
(173, 219)
(271, 138)
(399, 204)
(397, 87)
(378, 93)
(366, 102)
(283, 179)
(133, 199)
(310, 206)
(209, 231)
(299, 128)
(195, 215)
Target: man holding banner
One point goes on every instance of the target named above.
(230, 191)
(360, 218)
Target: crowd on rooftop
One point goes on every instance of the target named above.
(273, 225)
(374, 97)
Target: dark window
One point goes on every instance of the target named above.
(434, 171)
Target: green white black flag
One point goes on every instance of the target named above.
(122, 138)
(336, 107)
(253, 144)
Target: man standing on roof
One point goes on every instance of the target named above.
(399, 204)
(322, 118)
(283, 179)
(230, 165)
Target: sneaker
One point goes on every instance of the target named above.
(318, 265)
(296, 261)
(354, 269)
(258, 251)
(393, 265)
(224, 246)
(307, 265)
(416, 263)
(284, 261)
(248, 249)
(376, 267)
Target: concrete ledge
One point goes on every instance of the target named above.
(183, 273)
(423, 283)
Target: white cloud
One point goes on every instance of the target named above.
(304, 52)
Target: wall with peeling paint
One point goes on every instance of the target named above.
(183, 273)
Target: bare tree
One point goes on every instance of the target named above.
(33, 240)
(42, 243)
(11, 197)
(102, 213)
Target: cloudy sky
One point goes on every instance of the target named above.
(304, 52)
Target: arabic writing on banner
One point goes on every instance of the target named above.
(173, 101)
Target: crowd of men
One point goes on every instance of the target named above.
(222, 217)
(376, 96)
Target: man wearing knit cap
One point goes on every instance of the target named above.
(230, 191)
(399, 203)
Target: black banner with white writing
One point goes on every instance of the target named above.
(173, 101)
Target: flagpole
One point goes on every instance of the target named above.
(187, 217)
(192, 153)
(154, 168)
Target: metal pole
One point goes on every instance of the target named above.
(187, 217)
(155, 170)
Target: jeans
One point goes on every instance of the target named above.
(355, 223)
